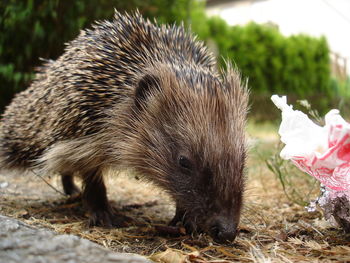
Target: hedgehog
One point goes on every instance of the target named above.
(128, 94)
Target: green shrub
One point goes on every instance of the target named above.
(298, 66)
(274, 63)
(38, 29)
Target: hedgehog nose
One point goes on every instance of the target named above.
(223, 231)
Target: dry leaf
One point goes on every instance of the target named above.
(176, 256)
(169, 256)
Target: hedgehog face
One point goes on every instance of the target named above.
(208, 156)
(208, 191)
(188, 137)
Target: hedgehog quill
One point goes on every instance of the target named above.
(128, 94)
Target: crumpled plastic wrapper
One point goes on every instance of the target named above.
(322, 152)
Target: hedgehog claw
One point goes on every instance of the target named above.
(108, 218)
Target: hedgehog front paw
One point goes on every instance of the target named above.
(178, 218)
(108, 218)
(182, 218)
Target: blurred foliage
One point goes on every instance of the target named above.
(341, 88)
(296, 65)
(31, 30)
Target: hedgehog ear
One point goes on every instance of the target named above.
(144, 88)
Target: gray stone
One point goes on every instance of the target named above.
(4, 185)
(21, 243)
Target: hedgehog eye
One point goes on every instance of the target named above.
(185, 163)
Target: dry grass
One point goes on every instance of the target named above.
(273, 229)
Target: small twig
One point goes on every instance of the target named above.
(45, 181)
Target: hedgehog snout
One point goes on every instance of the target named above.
(222, 229)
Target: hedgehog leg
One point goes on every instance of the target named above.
(179, 216)
(182, 218)
(69, 186)
(95, 198)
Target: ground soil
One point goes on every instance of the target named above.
(273, 229)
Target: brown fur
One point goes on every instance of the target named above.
(130, 95)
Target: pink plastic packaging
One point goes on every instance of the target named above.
(322, 152)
